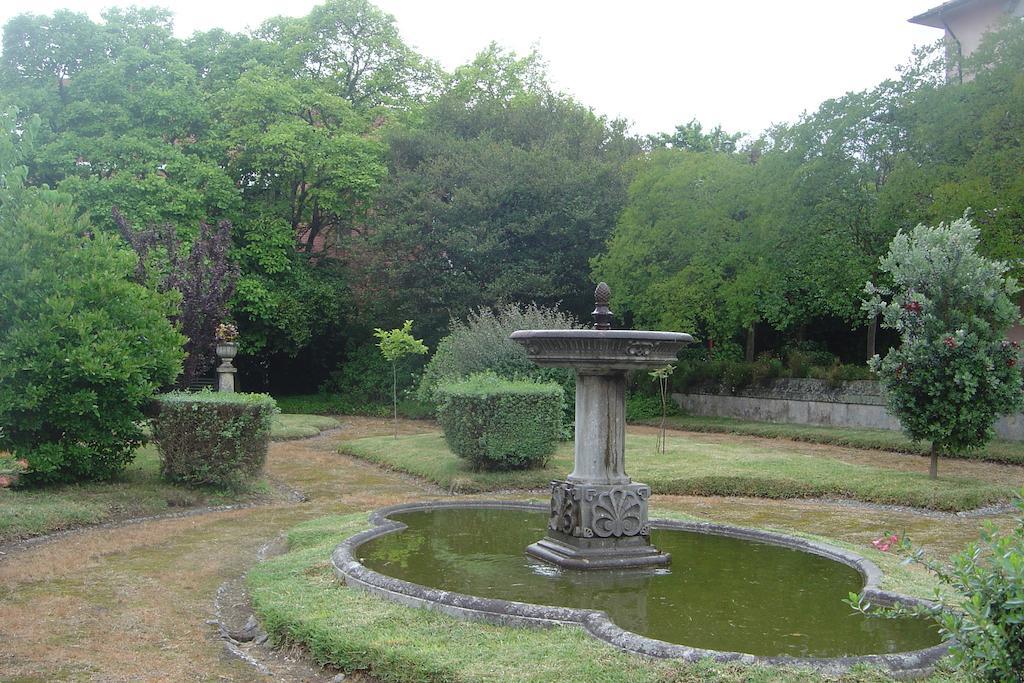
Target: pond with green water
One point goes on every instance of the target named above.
(719, 593)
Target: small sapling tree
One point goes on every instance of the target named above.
(954, 372)
(394, 345)
(661, 375)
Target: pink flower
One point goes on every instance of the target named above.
(949, 342)
(5, 481)
(885, 542)
(22, 463)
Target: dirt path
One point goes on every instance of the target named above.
(133, 603)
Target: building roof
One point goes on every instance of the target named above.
(936, 15)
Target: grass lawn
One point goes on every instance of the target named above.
(299, 600)
(287, 426)
(1010, 452)
(138, 493)
(694, 466)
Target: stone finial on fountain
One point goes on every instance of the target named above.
(602, 314)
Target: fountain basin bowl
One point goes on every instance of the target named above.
(601, 351)
(771, 599)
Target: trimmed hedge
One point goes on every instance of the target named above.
(500, 424)
(212, 439)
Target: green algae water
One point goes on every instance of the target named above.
(719, 593)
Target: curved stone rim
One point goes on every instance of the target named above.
(596, 622)
(625, 335)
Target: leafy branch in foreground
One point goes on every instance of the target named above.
(984, 612)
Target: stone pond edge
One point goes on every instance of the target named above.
(595, 622)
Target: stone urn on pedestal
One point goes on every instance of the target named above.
(598, 517)
(227, 349)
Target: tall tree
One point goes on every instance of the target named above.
(354, 49)
(300, 153)
(203, 276)
(954, 372)
(684, 240)
(499, 190)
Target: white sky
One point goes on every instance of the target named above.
(743, 64)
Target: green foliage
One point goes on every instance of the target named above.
(735, 375)
(394, 345)
(497, 424)
(482, 344)
(365, 375)
(353, 48)
(216, 439)
(399, 342)
(642, 407)
(785, 231)
(670, 257)
(345, 404)
(954, 372)
(367, 185)
(82, 347)
(502, 188)
(983, 613)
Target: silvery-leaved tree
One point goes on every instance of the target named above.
(953, 372)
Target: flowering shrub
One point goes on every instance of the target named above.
(984, 612)
(953, 373)
(885, 543)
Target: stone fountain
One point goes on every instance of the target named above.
(598, 517)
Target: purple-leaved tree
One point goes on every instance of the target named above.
(205, 276)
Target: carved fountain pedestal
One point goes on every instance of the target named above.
(598, 514)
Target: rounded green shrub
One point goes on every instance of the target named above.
(82, 347)
(482, 344)
(499, 424)
(212, 439)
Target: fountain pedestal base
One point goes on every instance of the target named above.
(598, 526)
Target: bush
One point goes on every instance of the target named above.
(738, 375)
(498, 424)
(482, 344)
(837, 374)
(338, 404)
(985, 616)
(365, 376)
(211, 438)
(954, 372)
(82, 348)
(646, 407)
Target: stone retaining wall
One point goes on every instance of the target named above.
(812, 401)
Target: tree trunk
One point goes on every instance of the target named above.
(394, 393)
(664, 411)
(933, 468)
(750, 343)
(872, 334)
